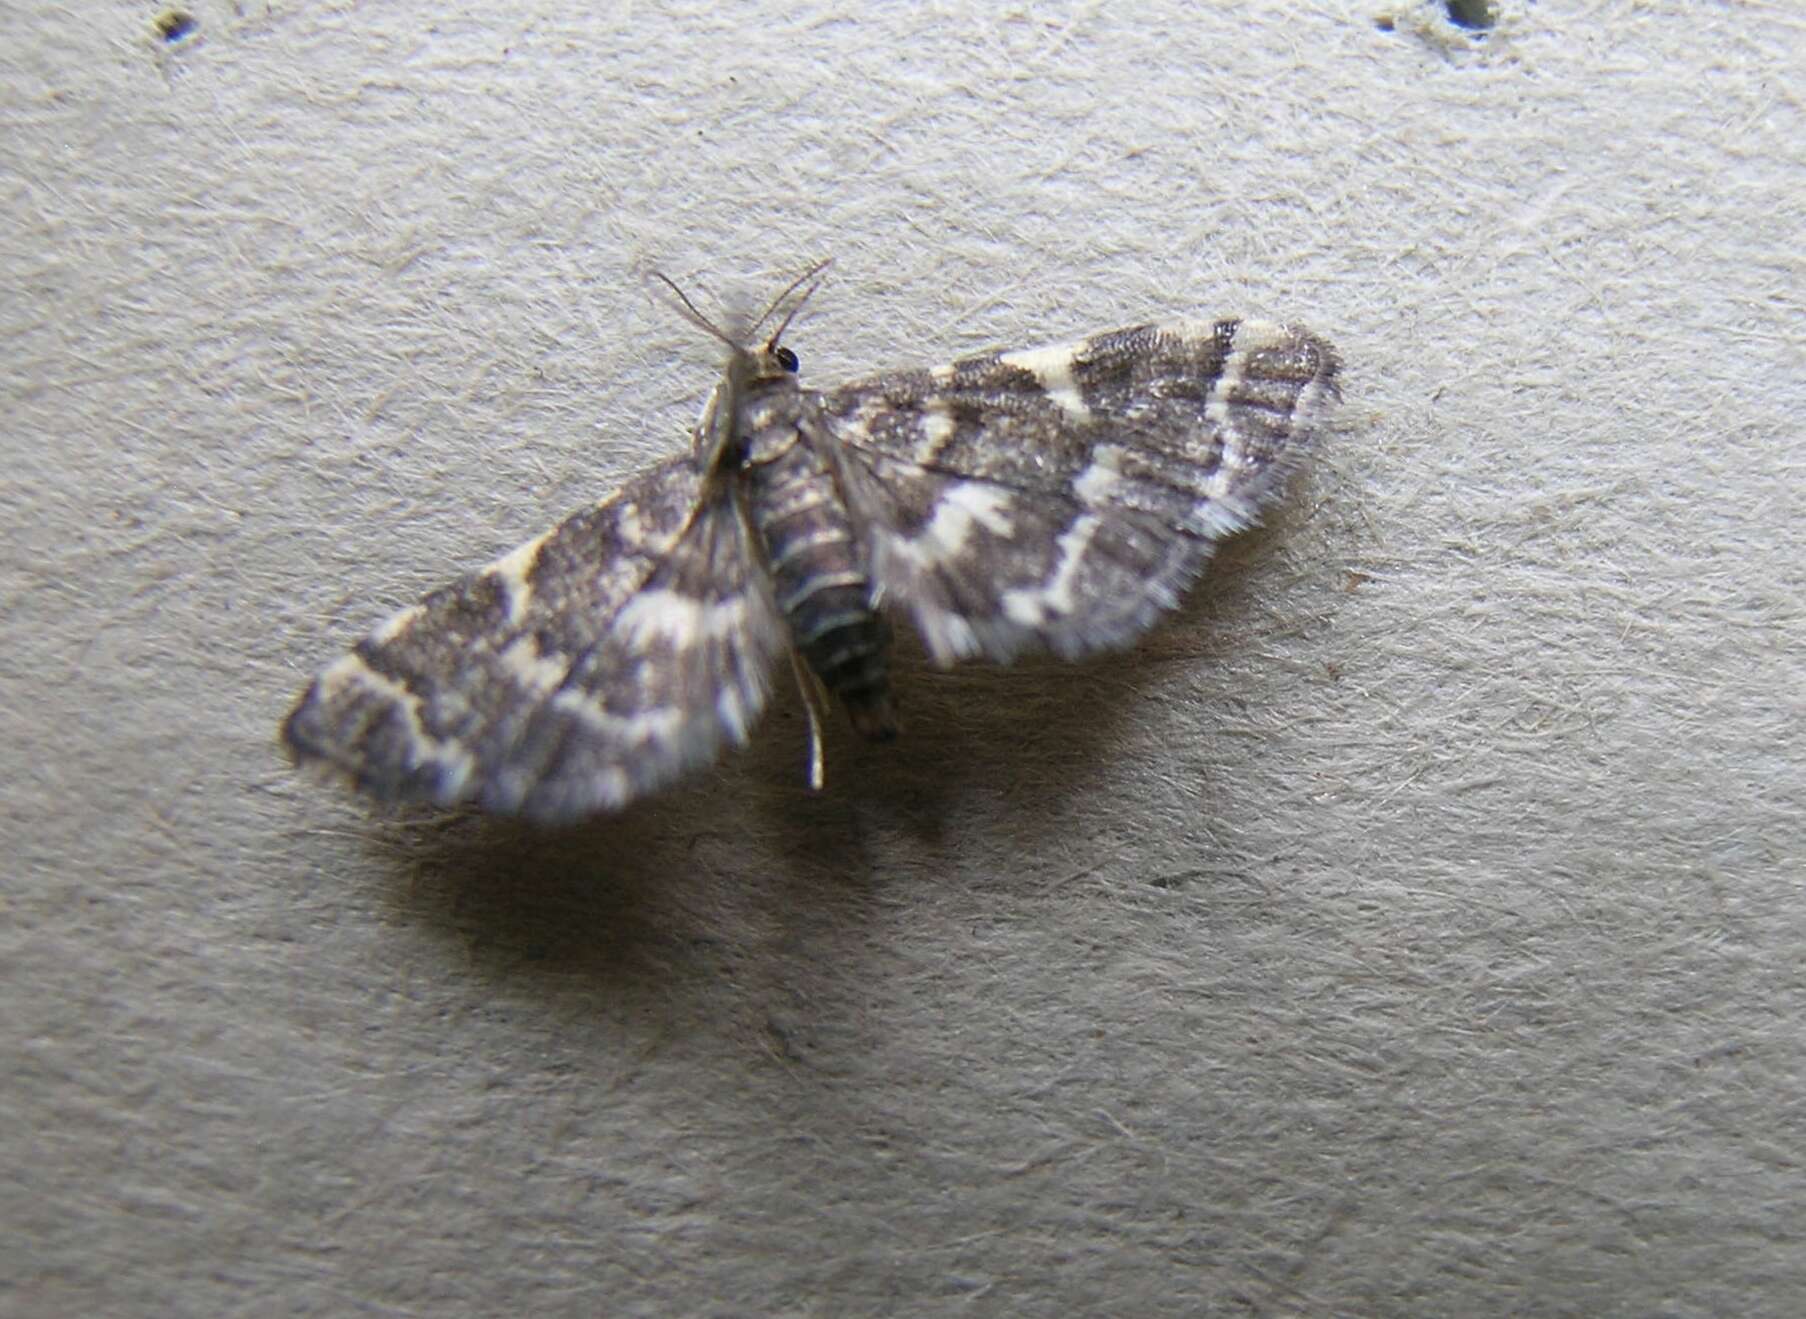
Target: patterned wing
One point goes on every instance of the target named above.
(587, 667)
(1063, 498)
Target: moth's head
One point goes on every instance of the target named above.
(770, 361)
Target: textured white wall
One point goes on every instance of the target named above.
(1414, 924)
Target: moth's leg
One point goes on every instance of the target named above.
(815, 700)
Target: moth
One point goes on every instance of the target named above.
(1057, 499)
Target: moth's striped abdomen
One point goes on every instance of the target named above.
(819, 576)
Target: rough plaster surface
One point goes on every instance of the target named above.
(1415, 925)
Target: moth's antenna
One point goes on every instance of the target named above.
(790, 288)
(796, 306)
(695, 317)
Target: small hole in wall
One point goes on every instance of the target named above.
(173, 26)
(1475, 14)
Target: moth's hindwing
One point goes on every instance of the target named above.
(585, 668)
(1063, 498)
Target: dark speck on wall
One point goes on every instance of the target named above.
(174, 26)
(1476, 14)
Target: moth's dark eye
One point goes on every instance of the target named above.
(787, 360)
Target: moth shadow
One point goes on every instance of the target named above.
(1024, 740)
(678, 890)
(742, 856)
(1032, 739)
(519, 899)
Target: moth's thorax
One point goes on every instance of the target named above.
(752, 379)
(819, 574)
